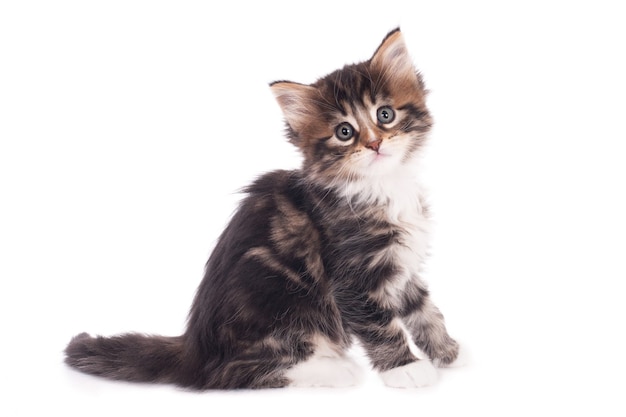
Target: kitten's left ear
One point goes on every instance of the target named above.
(296, 101)
(392, 58)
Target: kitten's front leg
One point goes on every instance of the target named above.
(385, 341)
(427, 326)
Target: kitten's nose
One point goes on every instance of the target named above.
(374, 145)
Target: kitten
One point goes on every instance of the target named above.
(314, 257)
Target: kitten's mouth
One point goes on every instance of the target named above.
(378, 156)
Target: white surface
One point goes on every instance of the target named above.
(126, 127)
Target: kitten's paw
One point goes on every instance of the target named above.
(416, 374)
(461, 359)
(325, 372)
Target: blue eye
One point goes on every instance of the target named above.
(385, 114)
(344, 131)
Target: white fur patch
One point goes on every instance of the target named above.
(413, 375)
(327, 367)
(401, 196)
(324, 372)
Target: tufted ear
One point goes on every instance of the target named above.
(296, 102)
(392, 59)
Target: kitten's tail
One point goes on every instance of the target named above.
(128, 357)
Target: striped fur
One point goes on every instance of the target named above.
(313, 258)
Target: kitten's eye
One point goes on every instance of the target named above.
(344, 131)
(385, 114)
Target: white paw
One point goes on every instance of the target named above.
(413, 375)
(330, 372)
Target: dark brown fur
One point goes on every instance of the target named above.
(301, 259)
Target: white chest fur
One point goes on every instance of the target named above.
(401, 197)
(409, 252)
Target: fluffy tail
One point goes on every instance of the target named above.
(128, 357)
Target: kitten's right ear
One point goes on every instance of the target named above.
(296, 102)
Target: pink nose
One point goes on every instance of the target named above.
(374, 145)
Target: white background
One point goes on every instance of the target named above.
(126, 128)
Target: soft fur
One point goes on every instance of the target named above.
(314, 257)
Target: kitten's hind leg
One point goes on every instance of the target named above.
(326, 367)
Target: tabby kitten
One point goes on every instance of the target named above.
(313, 258)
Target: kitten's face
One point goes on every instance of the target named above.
(364, 120)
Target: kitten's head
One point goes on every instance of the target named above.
(364, 120)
